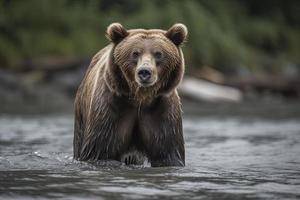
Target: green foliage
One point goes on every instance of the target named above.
(221, 33)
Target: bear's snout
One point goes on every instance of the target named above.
(144, 74)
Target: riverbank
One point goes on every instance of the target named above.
(52, 88)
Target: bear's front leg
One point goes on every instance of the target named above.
(106, 132)
(161, 132)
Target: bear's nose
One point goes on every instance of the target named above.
(144, 74)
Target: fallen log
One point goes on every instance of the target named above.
(207, 91)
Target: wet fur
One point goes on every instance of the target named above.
(115, 117)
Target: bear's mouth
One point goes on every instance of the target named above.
(145, 83)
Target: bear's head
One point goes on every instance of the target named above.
(146, 63)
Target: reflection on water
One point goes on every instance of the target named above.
(227, 158)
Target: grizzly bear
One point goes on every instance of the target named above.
(127, 107)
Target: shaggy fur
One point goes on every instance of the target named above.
(116, 115)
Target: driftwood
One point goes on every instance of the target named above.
(203, 90)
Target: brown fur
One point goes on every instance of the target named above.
(116, 115)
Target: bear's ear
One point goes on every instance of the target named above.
(116, 32)
(177, 34)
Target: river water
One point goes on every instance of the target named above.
(249, 151)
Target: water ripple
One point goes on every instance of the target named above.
(230, 158)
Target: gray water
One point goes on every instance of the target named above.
(228, 156)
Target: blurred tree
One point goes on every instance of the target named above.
(221, 33)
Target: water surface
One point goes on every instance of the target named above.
(227, 157)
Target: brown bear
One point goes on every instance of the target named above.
(127, 106)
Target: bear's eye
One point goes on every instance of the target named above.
(135, 54)
(157, 55)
